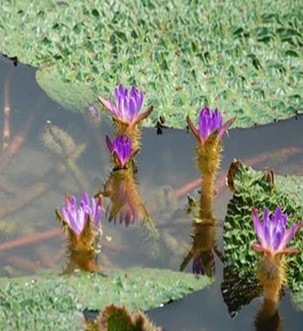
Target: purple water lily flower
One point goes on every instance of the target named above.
(272, 234)
(121, 147)
(209, 122)
(76, 216)
(127, 105)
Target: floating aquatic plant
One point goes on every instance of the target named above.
(273, 238)
(121, 150)
(82, 222)
(126, 112)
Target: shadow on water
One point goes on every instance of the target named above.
(32, 186)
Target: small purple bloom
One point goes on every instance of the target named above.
(127, 105)
(204, 263)
(209, 122)
(271, 232)
(77, 216)
(121, 147)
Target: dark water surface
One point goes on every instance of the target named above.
(165, 164)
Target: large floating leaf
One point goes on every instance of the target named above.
(74, 96)
(252, 190)
(56, 303)
(297, 299)
(245, 59)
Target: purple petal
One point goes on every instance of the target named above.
(109, 144)
(197, 266)
(122, 146)
(258, 225)
(224, 127)
(289, 234)
(128, 104)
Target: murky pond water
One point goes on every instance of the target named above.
(34, 177)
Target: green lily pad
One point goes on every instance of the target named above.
(297, 299)
(74, 96)
(56, 302)
(243, 59)
(251, 190)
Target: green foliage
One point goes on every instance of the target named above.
(115, 318)
(244, 59)
(31, 305)
(56, 303)
(73, 96)
(297, 299)
(239, 234)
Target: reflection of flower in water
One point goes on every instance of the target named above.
(203, 248)
(204, 263)
(125, 112)
(120, 149)
(268, 318)
(125, 205)
(82, 222)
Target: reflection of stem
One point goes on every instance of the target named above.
(268, 318)
(206, 199)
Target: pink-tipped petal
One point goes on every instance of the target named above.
(105, 104)
(144, 115)
(109, 144)
(258, 225)
(289, 234)
(193, 129)
(225, 127)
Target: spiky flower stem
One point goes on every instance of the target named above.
(208, 160)
(272, 275)
(125, 202)
(81, 252)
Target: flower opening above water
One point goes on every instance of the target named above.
(272, 234)
(127, 105)
(77, 215)
(209, 122)
(121, 148)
